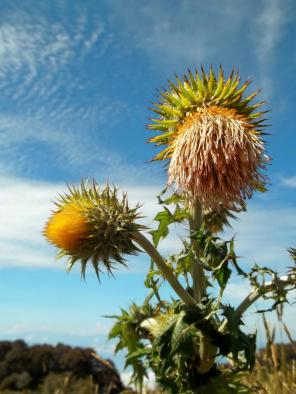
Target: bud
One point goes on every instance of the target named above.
(93, 224)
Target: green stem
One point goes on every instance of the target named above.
(164, 268)
(284, 281)
(154, 286)
(197, 272)
(207, 351)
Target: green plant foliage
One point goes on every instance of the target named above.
(216, 256)
(182, 344)
(133, 338)
(240, 345)
(166, 217)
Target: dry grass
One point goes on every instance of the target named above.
(275, 371)
(266, 381)
(278, 381)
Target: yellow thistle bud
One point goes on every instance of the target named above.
(93, 224)
(67, 228)
(213, 138)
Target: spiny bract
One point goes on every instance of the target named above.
(213, 138)
(93, 224)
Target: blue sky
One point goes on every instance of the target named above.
(76, 81)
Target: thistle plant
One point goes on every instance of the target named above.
(212, 135)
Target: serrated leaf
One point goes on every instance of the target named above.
(164, 218)
(222, 276)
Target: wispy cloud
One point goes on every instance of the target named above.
(186, 33)
(269, 30)
(270, 22)
(263, 235)
(42, 118)
(289, 182)
(23, 207)
(61, 133)
(96, 328)
(42, 70)
(36, 53)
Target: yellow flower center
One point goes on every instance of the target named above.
(67, 228)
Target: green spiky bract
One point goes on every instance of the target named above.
(111, 223)
(197, 91)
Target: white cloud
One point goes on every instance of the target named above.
(263, 234)
(163, 32)
(36, 53)
(89, 42)
(236, 292)
(16, 253)
(270, 23)
(42, 67)
(61, 134)
(24, 207)
(269, 30)
(103, 326)
(289, 182)
(18, 327)
(186, 32)
(95, 332)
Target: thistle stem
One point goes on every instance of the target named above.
(253, 296)
(164, 268)
(288, 280)
(197, 272)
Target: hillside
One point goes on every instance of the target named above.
(44, 368)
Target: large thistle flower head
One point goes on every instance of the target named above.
(212, 137)
(93, 224)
